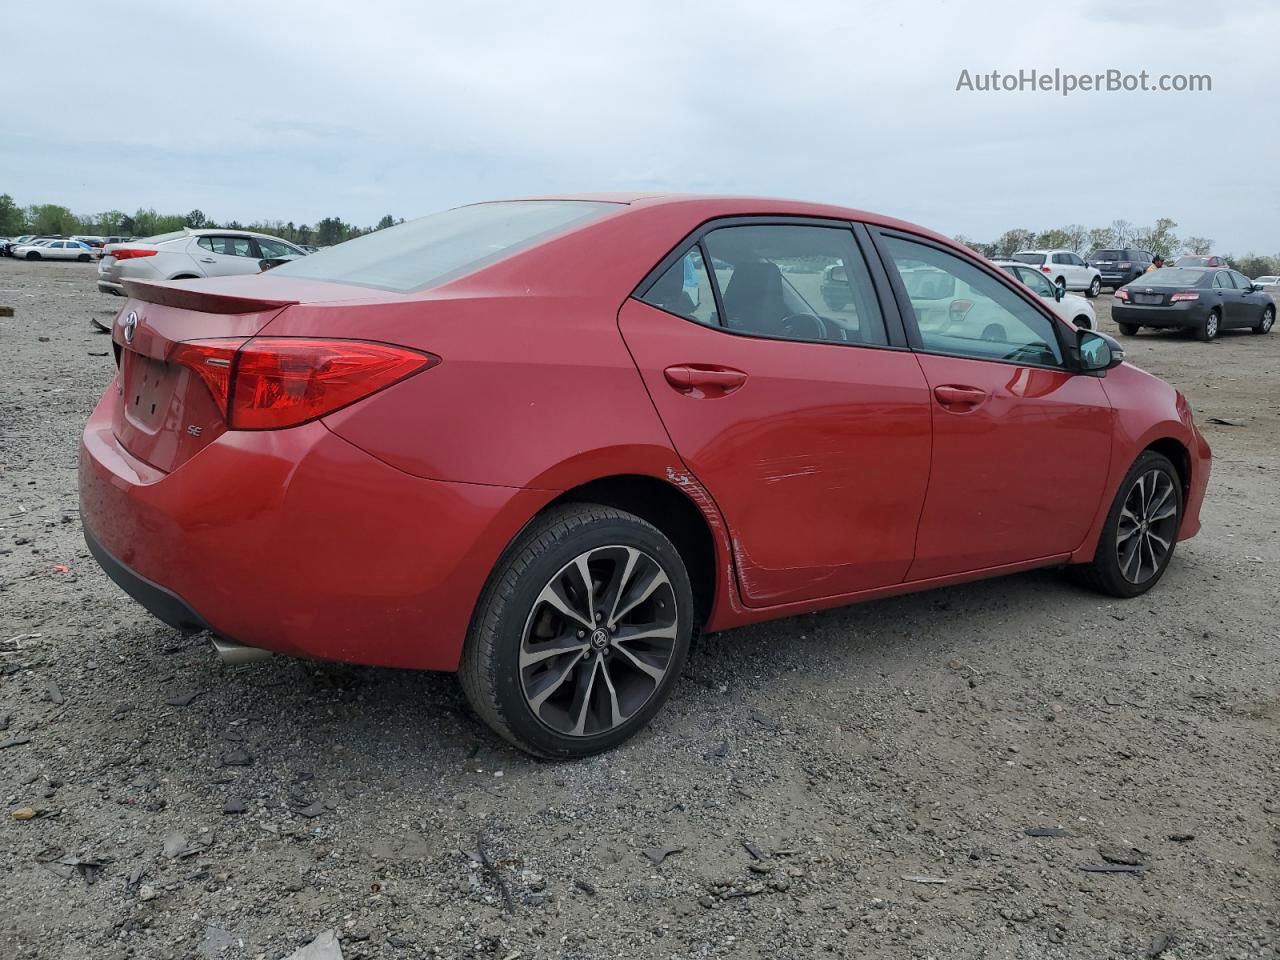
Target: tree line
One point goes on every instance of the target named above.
(54, 219)
(1158, 238)
(51, 219)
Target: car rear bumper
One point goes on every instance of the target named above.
(1183, 315)
(1118, 279)
(298, 542)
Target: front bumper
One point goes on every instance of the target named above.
(1187, 314)
(298, 542)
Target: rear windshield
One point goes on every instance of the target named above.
(1193, 261)
(1035, 259)
(1172, 277)
(1112, 255)
(430, 250)
(165, 237)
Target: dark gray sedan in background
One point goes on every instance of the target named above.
(1202, 301)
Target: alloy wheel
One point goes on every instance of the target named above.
(1211, 326)
(599, 641)
(1147, 526)
(1268, 318)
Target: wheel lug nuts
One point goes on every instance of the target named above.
(581, 634)
(599, 615)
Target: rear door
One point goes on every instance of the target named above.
(808, 424)
(223, 256)
(1021, 445)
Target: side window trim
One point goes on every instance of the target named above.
(878, 236)
(895, 327)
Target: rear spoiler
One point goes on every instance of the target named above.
(205, 301)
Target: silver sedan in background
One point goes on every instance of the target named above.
(187, 254)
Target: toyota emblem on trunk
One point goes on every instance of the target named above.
(130, 326)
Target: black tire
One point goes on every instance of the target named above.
(1129, 329)
(1095, 288)
(1209, 329)
(1266, 321)
(490, 672)
(32, 255)
(1104, 573)
(83, 258)
(1083, 322)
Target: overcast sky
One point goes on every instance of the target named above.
(296, 111)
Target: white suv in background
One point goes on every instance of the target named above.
(1064, 268)
(1068, 306)
(187, 254)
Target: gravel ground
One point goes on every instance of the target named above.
(804, 781)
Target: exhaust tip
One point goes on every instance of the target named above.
(237, 654)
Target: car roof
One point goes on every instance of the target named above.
(715, 206)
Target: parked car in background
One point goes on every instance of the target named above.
(1267, 281)
(508, 440)
(187, 254)
(1068, 306)
(1198, 260)
(1202, 301)
(1118, 265)
(1065, 268)
(55, 250)
(16, 242)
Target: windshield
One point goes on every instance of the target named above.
(430, 250)
(1035, 259)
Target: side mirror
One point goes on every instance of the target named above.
(1098, 352)
(1059, 292)
(1255, 287)
(267, 263)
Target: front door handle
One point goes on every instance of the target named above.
(704, 380)
(959, 397)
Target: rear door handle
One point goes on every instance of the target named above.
(208, 260)
(704, 380)
(956, 396)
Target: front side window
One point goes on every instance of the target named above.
(977, 316)
(276, 248)
(795, 282)
(1242, 282)
(1037, 281)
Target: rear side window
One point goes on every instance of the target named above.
(228, 246)
(795, 283)
(685, 290)
(434, 249)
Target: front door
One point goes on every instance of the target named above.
(1021, 445)
(806, 424)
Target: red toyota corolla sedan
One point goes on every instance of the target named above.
(541, 442)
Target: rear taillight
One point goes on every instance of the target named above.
(1122, 294)
(1045, 270)
(132, 253)
(274, 382)
(1180, 297)
(211, 361)
(958, 309)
